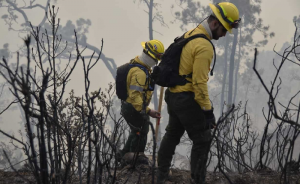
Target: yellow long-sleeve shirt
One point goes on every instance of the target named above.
(136, 84)
(196, 58)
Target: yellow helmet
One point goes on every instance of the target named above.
(227, 13)
(154, 48)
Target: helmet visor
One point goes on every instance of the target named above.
(235, 24)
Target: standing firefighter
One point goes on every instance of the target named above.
(189, 106)
(134, 87)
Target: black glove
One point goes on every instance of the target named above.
(210, 118)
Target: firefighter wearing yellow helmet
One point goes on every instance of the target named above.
(189, 106)
(138, 90)
(227, 13)
(153, 48)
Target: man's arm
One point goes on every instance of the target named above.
(136, 89)
(201, 67)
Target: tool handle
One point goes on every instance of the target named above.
(159, 110)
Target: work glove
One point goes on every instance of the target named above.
(154, 113)
(210, 118)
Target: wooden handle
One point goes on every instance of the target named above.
(159, 110)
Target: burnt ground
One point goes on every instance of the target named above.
(183, 177)
(143, 174)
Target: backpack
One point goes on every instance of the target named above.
(166, 74)
(121, 79)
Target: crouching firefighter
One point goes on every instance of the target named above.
(134, 87)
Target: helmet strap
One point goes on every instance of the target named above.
(198, 25)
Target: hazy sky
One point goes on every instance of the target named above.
(123, 24)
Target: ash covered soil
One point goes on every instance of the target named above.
(143, 174)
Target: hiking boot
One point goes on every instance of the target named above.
(143, 159)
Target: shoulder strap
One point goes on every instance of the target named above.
(203, 36)
(141, 67)
(148, 76)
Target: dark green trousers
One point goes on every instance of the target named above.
(139, 128)
(185, 114)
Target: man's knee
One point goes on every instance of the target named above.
(170, 140)
(202, 137)
(173, 133)
(173, 138)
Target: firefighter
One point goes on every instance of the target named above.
(139, 92)
(189, 107)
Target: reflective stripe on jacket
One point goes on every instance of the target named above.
(136, 80)
(196, 58)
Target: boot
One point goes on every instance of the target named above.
(143, 159)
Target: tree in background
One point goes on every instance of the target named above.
(15, 15)
(16, 19)
(4, 53)
(284, 110)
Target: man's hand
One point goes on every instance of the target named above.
(210, 118)
(154, 113)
